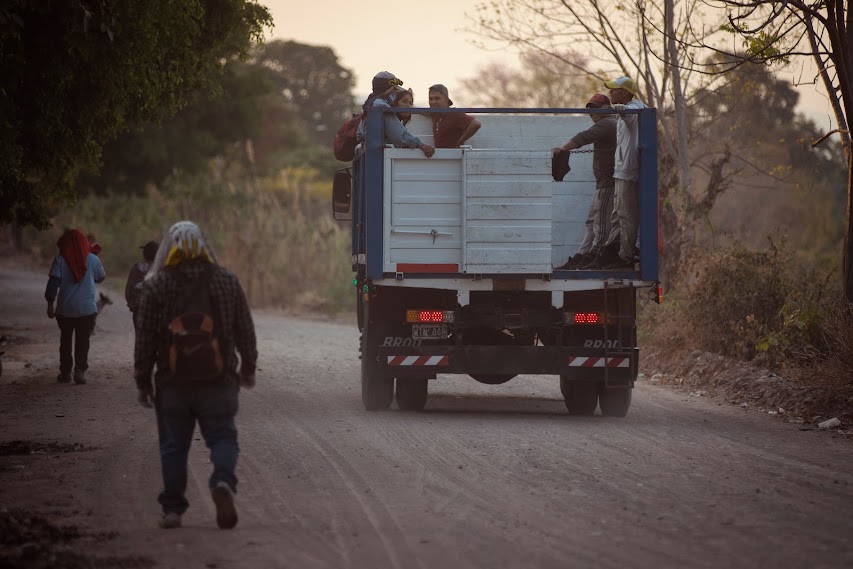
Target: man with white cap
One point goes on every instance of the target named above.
(618, 251)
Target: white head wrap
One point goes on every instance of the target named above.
(183, 241)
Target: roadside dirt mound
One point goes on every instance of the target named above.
(28, 540)
(750, 386)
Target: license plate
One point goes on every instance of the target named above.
(429, 331)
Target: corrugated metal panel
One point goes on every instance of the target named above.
(424, 215)
(510, 200)
(507, 212)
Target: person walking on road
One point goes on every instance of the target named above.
(193, 319)
(71, 284)
(136, 278)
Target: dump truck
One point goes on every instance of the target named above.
(454, 260)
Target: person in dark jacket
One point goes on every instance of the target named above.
(185, 260)
(602, 135)
(136, 278)
(71, 283)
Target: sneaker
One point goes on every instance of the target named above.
(79, 376)
(63, 378)
(226, 513)
(583, 259)
(170, 520)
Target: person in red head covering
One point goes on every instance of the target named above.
(71, 283)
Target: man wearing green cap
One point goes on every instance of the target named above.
(618, 252)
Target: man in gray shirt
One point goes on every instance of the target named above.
(602, 136)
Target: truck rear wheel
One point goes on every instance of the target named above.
(412, 394)
(615, 401)
(581, 397)
(377, 388)
(376, 391)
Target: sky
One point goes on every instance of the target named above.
(422, 43)
(425, 42)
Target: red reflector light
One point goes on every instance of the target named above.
(586, 317)
(431, 316)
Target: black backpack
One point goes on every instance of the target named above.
(194, 353)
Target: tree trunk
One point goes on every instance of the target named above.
(847, 263)
(678, 96)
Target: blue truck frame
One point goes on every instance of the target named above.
(380, 306)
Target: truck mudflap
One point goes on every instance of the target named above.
(579, 363)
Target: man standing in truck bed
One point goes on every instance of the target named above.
(450, 130)
(625, 223)
(602, 135)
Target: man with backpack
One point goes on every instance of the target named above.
(193, 319)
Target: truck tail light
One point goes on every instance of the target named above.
(429, 316)
(572, 318)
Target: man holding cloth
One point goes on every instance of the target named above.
(602, 135)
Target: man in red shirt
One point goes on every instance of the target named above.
(450, 130)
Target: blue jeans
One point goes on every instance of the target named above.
(178, 408)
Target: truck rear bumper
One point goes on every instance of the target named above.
(580, 363)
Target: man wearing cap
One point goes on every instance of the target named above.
(602, 136)
(618, 251)
(387, 90)
(136, 278)
(450, 130)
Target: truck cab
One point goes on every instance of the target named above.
(454, 260)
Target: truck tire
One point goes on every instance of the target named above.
(581, 397)
(615, 401)
(412, 394)
(377, 389)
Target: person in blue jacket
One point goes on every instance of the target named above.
(71, 284)
(387, 91)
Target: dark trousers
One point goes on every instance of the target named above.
(178, 408)
(77, 330)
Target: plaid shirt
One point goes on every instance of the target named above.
(157, 308)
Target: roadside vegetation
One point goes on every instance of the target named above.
(244, 150)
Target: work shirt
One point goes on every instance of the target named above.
(627, 165)
(602, 136)
(158, 306)
(74, 299)
(395, 132)
(447, 128)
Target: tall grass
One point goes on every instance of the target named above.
(276, 235)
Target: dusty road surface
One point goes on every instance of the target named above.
(485, 477)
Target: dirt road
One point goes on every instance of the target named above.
(487, 476)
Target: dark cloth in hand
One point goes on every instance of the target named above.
(560, 165)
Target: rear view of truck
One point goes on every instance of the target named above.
(453, 258)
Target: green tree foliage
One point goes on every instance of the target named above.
(777, 171)
(246, 105)
(312, 82)
(76, 74)
(213, 124)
